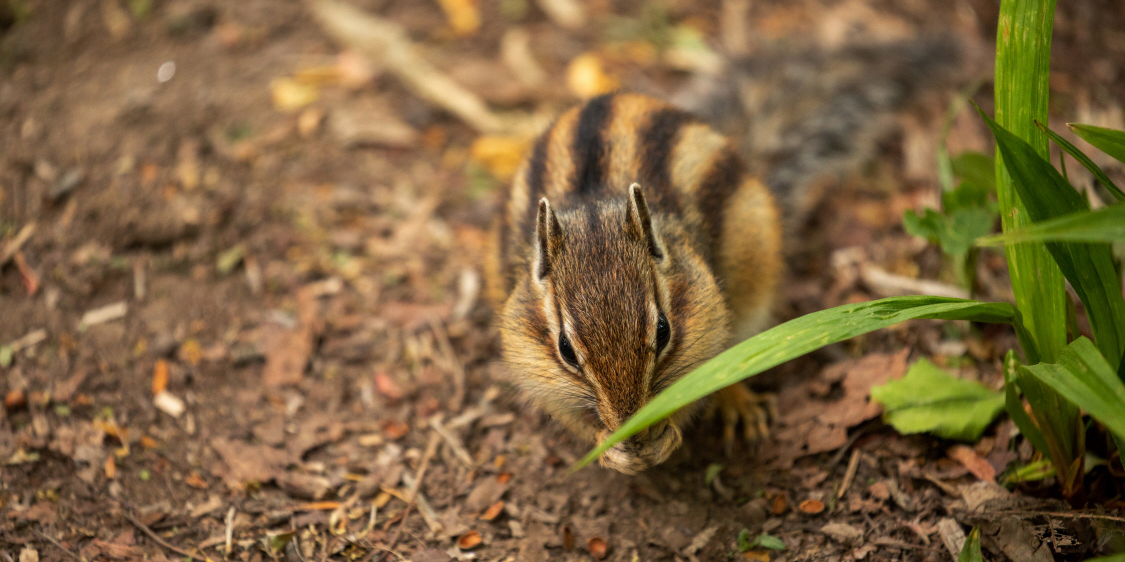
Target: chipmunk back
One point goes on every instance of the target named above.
(634, 244)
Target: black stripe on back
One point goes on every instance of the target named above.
(716, 189)
(656, 142)
(590, 148)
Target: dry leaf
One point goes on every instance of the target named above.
(159, 377)
(469, 541)
(463, 16)
(779, 504)
(502, 155)
(290, 95)
(110, 467)
(586, 77)
(976, 464)
(597, 547)
(811, 507)
(493, 511)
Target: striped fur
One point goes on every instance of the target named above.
(699, 244)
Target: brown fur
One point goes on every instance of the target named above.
(578, 252)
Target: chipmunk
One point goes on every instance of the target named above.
(634, 244)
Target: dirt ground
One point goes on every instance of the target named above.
(240, 298)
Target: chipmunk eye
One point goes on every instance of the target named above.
(567, 351)
(663, 333)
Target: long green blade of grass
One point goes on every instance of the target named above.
(1103, 225)
(1084, 377)
(1023, 53)
(1084, 160)
(794, 339)
(1108, 141)
(1088, 266)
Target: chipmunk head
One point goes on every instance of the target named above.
(616, 307)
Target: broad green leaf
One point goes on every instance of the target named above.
(1088, 266)
(1109, 141)
(956, 232)
(928, 399)
(1103, 225)
(769, 542)
(1023, 54)
(1084, 377)
(1084, 160)
(794, 339)
(971, 551)
(976, 168)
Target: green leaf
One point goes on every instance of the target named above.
(1084, 377)
(1110, 558)
(1103, 225)
(1014, 405)
(928, 399)
(971, 551)
(1032, 472)
(768, 542)
(712, 471)
(976, 168)
(1088, 266)
(794, 339)
(1084, 160)
(1108, 141)
(744, 542)
(1023, 54)
(956, 232)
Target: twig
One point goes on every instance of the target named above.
(431, 448)
(16, 242)
(849, 474)
(58, 545)
(453, 363)
(230, 530)
(156, 538)
(1077, 515)
(454, 443)
(387, 43)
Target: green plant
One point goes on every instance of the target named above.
(1051, 237)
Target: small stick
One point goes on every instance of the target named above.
(16, 242)
(58, 545)
(454, 365)
(454, 443)
(230, 529)
(431, 448)
(849, 474)
(156, 538)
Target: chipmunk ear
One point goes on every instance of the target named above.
(548, 240)
(639, 222)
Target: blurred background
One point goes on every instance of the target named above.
(240, 248)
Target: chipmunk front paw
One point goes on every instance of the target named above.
(735, 404)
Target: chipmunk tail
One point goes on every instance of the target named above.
(803, 117)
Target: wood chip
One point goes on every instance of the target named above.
(952, 535)
(493, 511)
(160, 376)
(169, 403)
(103, 314)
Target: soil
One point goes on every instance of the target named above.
(292, 330)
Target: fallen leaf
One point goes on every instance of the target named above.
(586, 77)
(213, 502)
(843, 533)
(597, 547)
(394, 430)
(928, 399)
(387, 386)
(290, 95)
(191, 352)
(28, 276)
(14, 399)
(110, 467)
(463, 16)
(169, 403)
(976, 464)
(248, 463)
(779, 504)
(195, 481)
(29, 554)
(501, 154)
(159, 376)
(493, 511)
(811, 507)
(469, 541)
